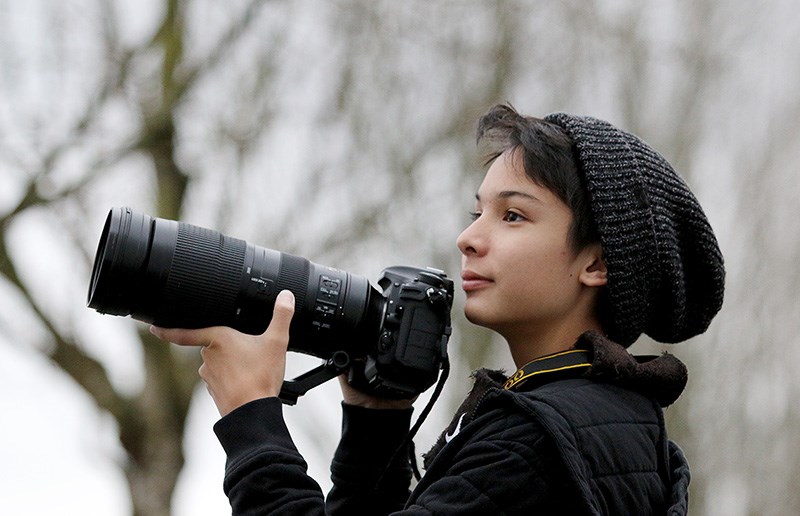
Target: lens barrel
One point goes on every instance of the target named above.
(178, 275)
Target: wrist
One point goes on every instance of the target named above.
(370, 402)
(353, 397)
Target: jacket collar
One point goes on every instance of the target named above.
(662, 377)
(596, 357)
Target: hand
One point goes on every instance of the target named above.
(353, 396)
(239, 368)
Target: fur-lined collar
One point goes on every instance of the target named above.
(661, 377)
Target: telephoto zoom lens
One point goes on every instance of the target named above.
(177, 275)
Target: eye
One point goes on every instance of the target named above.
(473, 215)
(512, 216)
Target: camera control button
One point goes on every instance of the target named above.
(329, 289)
(324, 310)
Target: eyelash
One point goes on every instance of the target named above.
(473, 215)
(519, 217)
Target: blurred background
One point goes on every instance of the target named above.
(343, 131)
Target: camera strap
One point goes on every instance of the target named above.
(408, 441)
(564, 364)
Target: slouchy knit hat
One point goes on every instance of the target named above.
(665, 270)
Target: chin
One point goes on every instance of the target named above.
(479, 317)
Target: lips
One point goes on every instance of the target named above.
(472, 281)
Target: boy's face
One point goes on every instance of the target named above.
(519, 272)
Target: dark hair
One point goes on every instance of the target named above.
(548, 159)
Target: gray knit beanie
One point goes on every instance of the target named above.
(665, 270)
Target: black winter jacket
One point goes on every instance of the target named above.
(579, 440)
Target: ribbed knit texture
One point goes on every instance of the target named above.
(665, 270)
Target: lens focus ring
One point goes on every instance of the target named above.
(204, 278)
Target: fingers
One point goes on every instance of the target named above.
(239, 367)
(281, 320)
(184, 337)
(282, 313)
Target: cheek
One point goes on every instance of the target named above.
(541, 278)
(554, 258)
(538, 264)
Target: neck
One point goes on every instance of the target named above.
(535, 341)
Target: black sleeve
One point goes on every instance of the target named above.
(264, 473)
(370, 473)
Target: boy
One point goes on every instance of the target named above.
(583, 238)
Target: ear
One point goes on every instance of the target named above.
(593, 272)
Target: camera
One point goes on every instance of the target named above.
(391, 342)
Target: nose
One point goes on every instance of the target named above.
(470, 241)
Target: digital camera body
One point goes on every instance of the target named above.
(412, 342)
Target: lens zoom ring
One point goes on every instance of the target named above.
(204, 279)
(294, 276)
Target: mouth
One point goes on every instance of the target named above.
(472, 281)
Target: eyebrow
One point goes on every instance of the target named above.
(508, 194)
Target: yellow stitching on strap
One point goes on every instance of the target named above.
(520, 375)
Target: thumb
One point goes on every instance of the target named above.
(283, 312)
